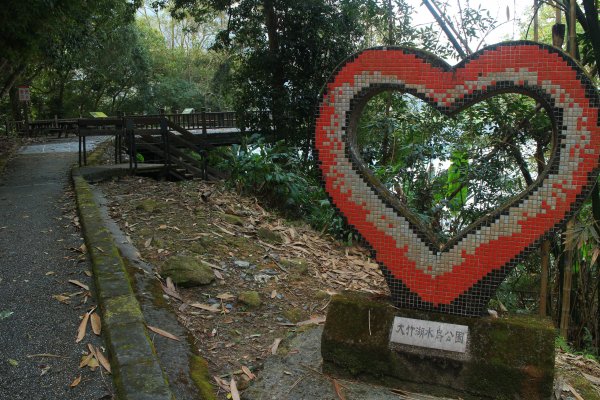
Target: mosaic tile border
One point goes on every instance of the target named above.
(461, 276)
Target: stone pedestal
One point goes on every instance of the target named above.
(501, 358)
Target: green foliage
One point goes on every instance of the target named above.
(452, 171)
(457, 190)
(561, 344)
(278, 174)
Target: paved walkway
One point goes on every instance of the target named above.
(38, 355)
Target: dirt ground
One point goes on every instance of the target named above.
(293, 269)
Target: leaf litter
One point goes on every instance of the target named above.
(293, 269)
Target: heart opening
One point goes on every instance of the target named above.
(451, 172)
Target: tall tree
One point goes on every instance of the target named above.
(26, 28)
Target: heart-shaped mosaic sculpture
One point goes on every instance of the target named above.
(461, 276)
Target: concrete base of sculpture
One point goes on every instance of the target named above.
(499, 358)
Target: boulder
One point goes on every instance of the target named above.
(187, 271)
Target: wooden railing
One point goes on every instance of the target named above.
(203, 121)
(42, 126)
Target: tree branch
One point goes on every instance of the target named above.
(445, 28)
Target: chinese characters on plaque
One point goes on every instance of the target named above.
(430, 334)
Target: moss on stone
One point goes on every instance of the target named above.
(187, 271)
(201, 377)
(122, 309)
(508, 358)
(293, 315)
(268, 235)
(250, 298)
(95, 157)
(199, 247)
(148, 205)
(232, 219)
(296, 266)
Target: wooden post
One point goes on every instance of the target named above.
(164, 132)
(119, 136)
(26, 109)
(203, 114)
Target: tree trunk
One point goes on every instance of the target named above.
(567, 283)
(385, 143)
(14, 104)
(277, 74)
(593, 27)
(535, 21)
(9, 82)
(546, 245)
(568, 271)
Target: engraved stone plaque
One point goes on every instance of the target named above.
(430, 334)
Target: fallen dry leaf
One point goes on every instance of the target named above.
(248, 373)
(213, 266)
(100, 357)
(103, 361)
(221, 383)
(96, 324)
(93, 364)
(235, 395)
(225, 296)
(163, 333)
(170, 290)
(206, 307)
(82, 328)
(75, 382)
(61, 298)
(77, 283)
(85, 360)
(45, 355)
(593, 379)
(313, 321)
(275, 346)
(169, 283)
(338, 390)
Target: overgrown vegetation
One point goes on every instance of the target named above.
(281, 176)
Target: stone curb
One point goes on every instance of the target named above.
(137, 373)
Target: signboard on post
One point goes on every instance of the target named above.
(24, 94)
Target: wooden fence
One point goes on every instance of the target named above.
(203, 121)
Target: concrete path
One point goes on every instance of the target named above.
(297, 375)
(39, 358)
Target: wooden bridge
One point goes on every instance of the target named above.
(176, 143)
